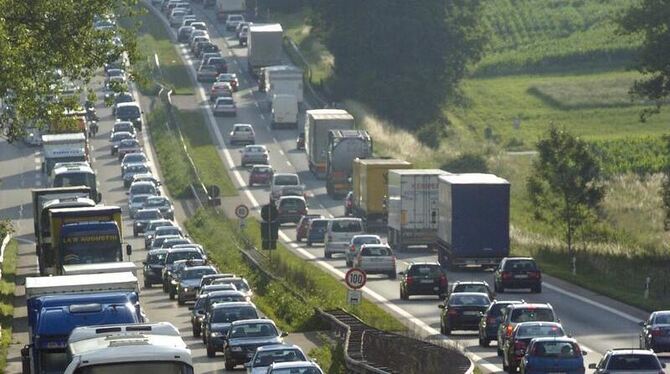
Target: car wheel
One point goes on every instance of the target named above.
(511, 368)
(538, 288)
(180, 301)
(228, 364)
(210, 351)
(441, 327)
(350, 264)
(309, 244)
(404, 295)
(501, 289)
(484, 342)
(327, 255)
(499, 351)
(135, 233)
(447, 330)
(251, 184)
(196, 331)
(172, 295)
(298, 238)
(393, 275)
(147, 284)
(505, 367)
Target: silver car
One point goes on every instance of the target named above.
(131, 170)
(136, 203)
(142, 218)
(376, 259)
(629, 361)
(224, 106)
(133, 158)
(152, 226)
(356, 244)
(255, 155)
(161, 203)
(242, 133)
(123, 126)
(116, 139)
(161, 231)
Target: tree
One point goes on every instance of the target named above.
(402, 57)
(39, 38)
(650, 19)
(565, 186)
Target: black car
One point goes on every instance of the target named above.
(423, 278)
(206, 47)
(462, 311)
(218, 294)
(188, 284)
(153, 267)
(176, 255)
(655, 334)
(515, 347)
(204, 302)
(473, 286)
(219, 319)
(517, 272)
(130, 112)
(208, 279)
(245, 336)
(488, 325)
(142, 218)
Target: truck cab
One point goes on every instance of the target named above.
(149, 348)
(71, 174)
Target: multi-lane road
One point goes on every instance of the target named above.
(597, 322)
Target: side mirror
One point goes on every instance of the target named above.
(129, 249)
(144, 262)
(663, 364)
(190, 307)
(592, 366)
(642, 323)
(127, 192)
(584, 353)
(284, 334)
(99, 196)
(440, 306)
(247, 364)
(401, 273)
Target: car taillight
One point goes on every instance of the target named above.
(409, 281)
(443, 280)
(453, 312)
(508, 331)
(534, 274)
(656, 332)
(352, 248)
(506, 275)
(519, 348)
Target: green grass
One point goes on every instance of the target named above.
(7, 287)
(330, 356)
(153, 38)
(317, 287)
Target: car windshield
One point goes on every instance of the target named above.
(145, 189)
(468, 300)
(155, 258)
(176, 256)
(375, 251)
(633, 362)
(139, 199)
(347, 225)
(267, 358)
(196, 273)
(117, 137)
(168, 230)
(157, 202)
(532, 314)
(128, 111)
(286, 180)
(556, 349)
(366, 240)
(134, 157)
(253, 330)
(537, 331)
(471, 288)
(147, 215)
(140, 168)
(520, 265)
(232, 314)
(425, 270)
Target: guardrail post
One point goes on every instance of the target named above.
(647, 285)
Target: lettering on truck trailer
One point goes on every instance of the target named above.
(90, 239)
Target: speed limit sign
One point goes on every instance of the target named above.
(355, 278)
(241, 211)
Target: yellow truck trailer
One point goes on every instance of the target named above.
(370, 186)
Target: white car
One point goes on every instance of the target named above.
(267, 355)
(233, 20)
(339, 233)
(355, 246)
(242, 133)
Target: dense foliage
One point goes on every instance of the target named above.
(39, 37)
(638, 155)
(650, 19)
(403, 58)
(564, 187)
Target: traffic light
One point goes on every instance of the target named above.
(269, 226)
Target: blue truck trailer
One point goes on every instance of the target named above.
(56, 305)
(473, 224)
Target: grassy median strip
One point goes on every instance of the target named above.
(220, 236)
(7, 287)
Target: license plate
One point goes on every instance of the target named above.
(471, 313)
(521, 276)
(427, 281)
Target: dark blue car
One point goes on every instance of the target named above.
(488, 325)
(316, 232)
(553, 355)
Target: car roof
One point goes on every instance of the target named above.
(519, 258)
(293, 364)
(176, 250)
(276, 347)
(213, 294)
(531, 305)
(366, 236)
(539, 323)
(149, 210)
(291, 198)
(555, 339)
(233, 304)
(420, 263)
(157, 251)
(255, 320)
(471, 282)
(131, 103)
(200, 267)
(635, 351)
(459, 294)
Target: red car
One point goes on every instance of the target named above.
(303, 225)
(260, 174)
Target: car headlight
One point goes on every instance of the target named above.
(185, 289)
(216, 334)
(138, 223)
(236, 349)
(173, 282)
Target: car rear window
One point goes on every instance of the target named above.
(319, 223)
(255, 149)
(263, 170)
(633, 362)
(367, 240)
(347, 225)
(425, 270)
(556, 349)
(292, 203)
(538, 331)
(286, 180)
(468, 300)
(496, 310)
(148, 214)
(251, 330)
(532, 314)
(375, 251)
(520, 265)
(471, 288)
(662, 319)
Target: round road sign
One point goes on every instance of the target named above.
(355, 278)
(241, 211)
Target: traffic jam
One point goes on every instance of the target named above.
(86, 312)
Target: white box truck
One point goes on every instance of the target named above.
(284, 111)
(412, 203)
(69, 147)
(264, 46)
(284, 79)
(226, 7)
(318, 122)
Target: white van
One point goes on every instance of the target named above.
(339, 233)
(284, 110)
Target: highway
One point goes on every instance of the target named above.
(598, 323)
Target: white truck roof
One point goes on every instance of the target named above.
(82, 283)
(269, 27)
(473, 178)
(322, 114)
(105, 267)
(111, 344)
(63, 138)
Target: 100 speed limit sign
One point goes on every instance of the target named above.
(355, 278)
